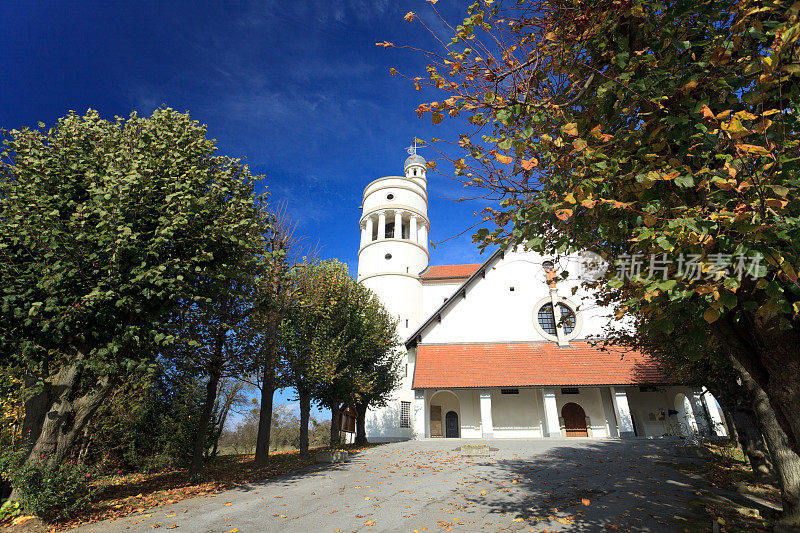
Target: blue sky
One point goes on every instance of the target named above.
(297, 88)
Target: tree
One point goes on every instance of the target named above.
(277, 292)
(646, 128)
(109, 230)
(231, 395)
(361, 367)
(308, 333)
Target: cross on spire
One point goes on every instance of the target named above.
(412, 150)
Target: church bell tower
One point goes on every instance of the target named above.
(394, 240)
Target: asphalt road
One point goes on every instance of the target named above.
(524, 485)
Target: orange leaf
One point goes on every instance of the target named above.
(409, 16)
(384, 44)
(589, 203)
(528, 164)
(706, 111)
(564, 214)
(503, 159)
(586, 501)
(369, 523)
(570, 129)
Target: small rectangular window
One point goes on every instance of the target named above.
(509, 391)
(570, 390)
(511, 289)
(406, 322)
(405, 371)
(405, 414)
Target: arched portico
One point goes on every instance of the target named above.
(687, 422)
(441, 404)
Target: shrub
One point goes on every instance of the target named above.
(49, 491)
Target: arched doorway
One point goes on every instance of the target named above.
(451, 425)
(442, 404)
(574, 420)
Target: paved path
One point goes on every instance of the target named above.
(531, 485)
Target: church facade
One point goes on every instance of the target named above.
(503, 349)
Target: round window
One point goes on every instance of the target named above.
(390, 196)
(387, 256)
(547, 319)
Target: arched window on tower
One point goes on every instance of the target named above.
(390, 230)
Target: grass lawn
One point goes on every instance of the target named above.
(120, 495)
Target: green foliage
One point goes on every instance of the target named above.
(107, 228)
(48, 491)
(9, 509)
(341, 339)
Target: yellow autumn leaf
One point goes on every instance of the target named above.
(503, 159)
(751, 149)
(570, 129)
(409, 16)
(234, 530)
(369, 523)
(528, 164)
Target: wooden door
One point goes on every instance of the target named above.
(451, 425)
(574, 420)
(436, 421)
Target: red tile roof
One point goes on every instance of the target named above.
(530, 364)
(449, 271)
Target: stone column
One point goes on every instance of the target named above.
(423, 235)
(412, 228)
(419, 415)
(363, 234)
(624, 421)
(369, 229)
(398, 224)
(552, 427)
(487, 428)
(381, 225)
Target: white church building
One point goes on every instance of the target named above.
(501, 349)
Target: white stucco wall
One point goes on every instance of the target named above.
(434, 294)
(491, 312)
(517, 415)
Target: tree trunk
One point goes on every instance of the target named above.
(361, 423)
(205, 418)
(772, 358)
(753, 446)
(785, 460)
(335, 429)
(265, 415)
(733, 431)
(54, 417)
(305, 413)
(66, 417)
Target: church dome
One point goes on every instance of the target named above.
(414, 159)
